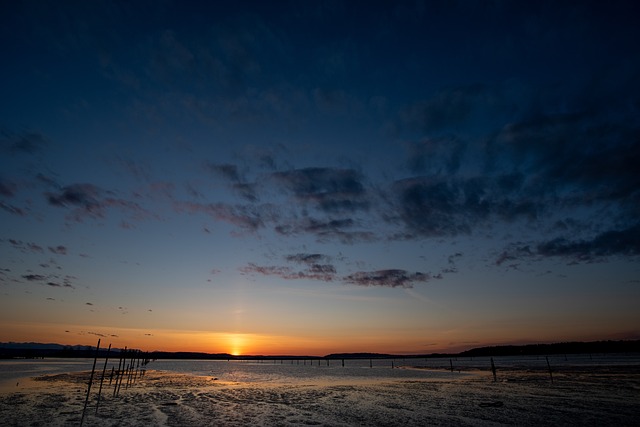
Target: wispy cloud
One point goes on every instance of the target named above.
(7, 188)
(90, 201)
(611, 243)
(59, 250)
(246, 217)
(26, 142)
(34, 277)
(231, 173)
(328, 189)
(392, 278)
(84, 196)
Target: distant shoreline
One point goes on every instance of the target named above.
(39, 350)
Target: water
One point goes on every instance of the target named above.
(13, 370)
(300, 372)
(312, 372)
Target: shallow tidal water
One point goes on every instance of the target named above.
(586, 390)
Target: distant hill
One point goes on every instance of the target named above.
(12, 350)
(556, 348)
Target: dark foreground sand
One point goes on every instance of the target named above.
(588, 396)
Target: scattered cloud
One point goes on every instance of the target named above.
(330, 190)
(311, 271)
(7, 188)
(27, 142)
(34, 277)
(230, 173)
(59, 250)
(246, 217)
(26, 247)
(320, 267)
(341, 230)
(84, 196)
(12, 209)
(90, 201)
(392, 278)
(611, 243)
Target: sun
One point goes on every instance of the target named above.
(236, 344)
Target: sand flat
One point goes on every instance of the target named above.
(578, 396)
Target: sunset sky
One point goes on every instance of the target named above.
(312, 177)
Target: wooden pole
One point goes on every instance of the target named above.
(119, 372)
(86, 400)
(120, 378)
(493, 369)
(549, 366)
(104, 368)
(451, 363)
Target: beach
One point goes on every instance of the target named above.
(578, 395)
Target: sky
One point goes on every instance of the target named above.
(313, 177)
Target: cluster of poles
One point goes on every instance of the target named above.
(494, 370)
(130, 367)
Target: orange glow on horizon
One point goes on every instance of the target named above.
(238, 343)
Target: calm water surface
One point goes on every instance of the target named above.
(312, 372)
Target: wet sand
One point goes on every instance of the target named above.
(578, 396)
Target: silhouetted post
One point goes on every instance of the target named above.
(137, 365)
(549, 366)
(493, 369)
(392, 364)
(343, 363)
(123, 372)
(111, 376)
(451, 363)
(104, 368)
(130, 369)
(86, 400)
(370, 363)
(119, 372)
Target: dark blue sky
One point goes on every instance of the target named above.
(401, 176)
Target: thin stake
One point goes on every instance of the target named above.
(549, 366)
(119, 372)
(493, 369)
(451, 363)
(86, 400)
(104, 368)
